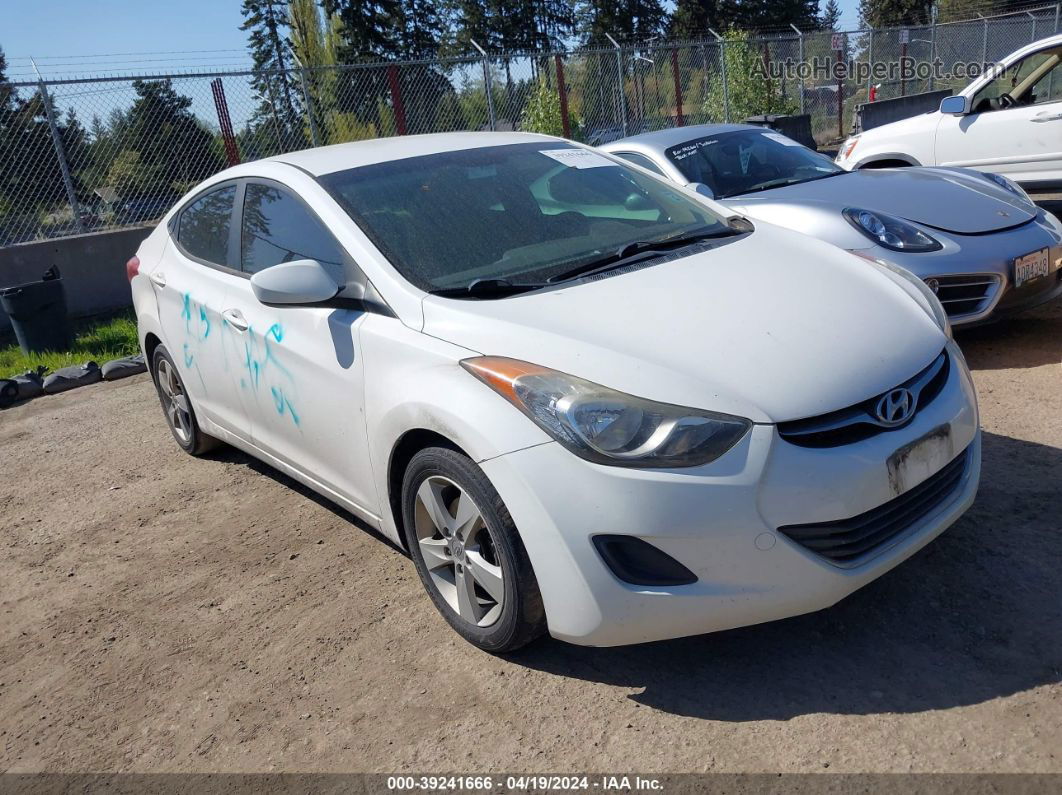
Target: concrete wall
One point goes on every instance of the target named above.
(874, 114)
(92, 267)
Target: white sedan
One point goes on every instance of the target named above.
(1008, 122)
(585, 401)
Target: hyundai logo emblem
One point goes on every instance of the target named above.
(933, 285)
(895, 407)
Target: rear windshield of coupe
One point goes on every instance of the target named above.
(519, 212)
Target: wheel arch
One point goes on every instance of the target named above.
(892, 160)
(405, 447)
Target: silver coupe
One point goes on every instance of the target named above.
(976, 239)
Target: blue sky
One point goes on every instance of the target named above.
(73, 37)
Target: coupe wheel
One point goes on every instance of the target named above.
(177, 407)
(468, 553)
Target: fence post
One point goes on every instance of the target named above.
(1058, 6)
(57, 142)
(680, 119)
(984, 42)
(562, 91)
(933, 49)
(722, 69)
(870, 62)
(314, 138)
(800, 63)
(622, 87)
(487, 86)
(396, 99)
(1032, 16)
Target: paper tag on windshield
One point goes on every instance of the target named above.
(577, 158)
(781, 139)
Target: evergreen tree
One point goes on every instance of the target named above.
(891, 13)
(692, 18)
(830, 17)
(273, 82)
(624, 20)
(165, 150)
(764, 15)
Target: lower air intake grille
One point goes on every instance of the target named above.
(845, 541)
(969, 294)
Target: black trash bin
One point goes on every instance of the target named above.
(38, 314)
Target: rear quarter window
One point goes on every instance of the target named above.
(204, 225)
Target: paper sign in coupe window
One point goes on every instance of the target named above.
(578, 158)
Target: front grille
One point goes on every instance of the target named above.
(968, 294)
(859, 422)
(845, 542)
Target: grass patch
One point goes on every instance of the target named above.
(99, 338)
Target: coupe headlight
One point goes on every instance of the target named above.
(606, 426)
(890, 232)
(913, 285)
(1008, 185)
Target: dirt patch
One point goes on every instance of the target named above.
(166, 613)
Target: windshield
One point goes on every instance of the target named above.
(520, 213)
(744, 161)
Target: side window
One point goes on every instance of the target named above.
(203, 230)
(641, 160)
(1032, 81)
(277, 228)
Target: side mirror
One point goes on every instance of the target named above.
(702, 189)
(954, 106)
(303, 281)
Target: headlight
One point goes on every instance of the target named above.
(913, 284)
(606, 426)
(890, 232)
(1008, 185)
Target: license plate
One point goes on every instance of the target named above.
(915, 462)
(1032, 266)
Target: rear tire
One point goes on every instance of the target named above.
(177, 406)
(468, 552)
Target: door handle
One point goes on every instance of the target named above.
(158, 279)
(235, 319)
(1047, 117)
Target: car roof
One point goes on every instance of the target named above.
(339, 157)
(672, 136)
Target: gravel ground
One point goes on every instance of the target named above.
(161, 613)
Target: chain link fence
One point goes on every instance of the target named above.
(91, 154)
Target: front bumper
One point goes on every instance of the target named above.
(720, 521)
(982, 266)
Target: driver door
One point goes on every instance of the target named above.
(1015, 128)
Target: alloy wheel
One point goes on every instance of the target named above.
(174, 401)
(458, 551)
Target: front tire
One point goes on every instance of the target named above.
(177, 406)
(468, 553)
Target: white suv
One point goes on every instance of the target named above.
(1008, 121)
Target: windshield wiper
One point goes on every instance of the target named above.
(782, 183)
(638, 249)
(486, 288)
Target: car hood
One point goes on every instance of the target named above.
(772, 326)
(953, 200)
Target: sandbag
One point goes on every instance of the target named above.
(8, 392)
(30, 383)
(72, 377)
(123, 368)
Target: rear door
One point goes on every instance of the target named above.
(303, 364)
(193, 283)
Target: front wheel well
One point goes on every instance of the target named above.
(889, 163)
(411, 443)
